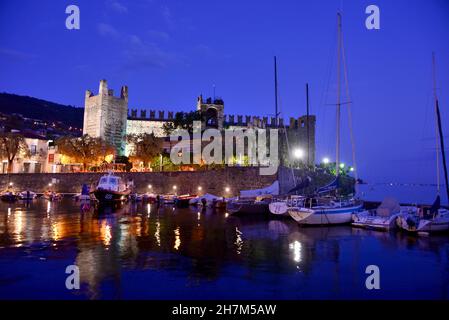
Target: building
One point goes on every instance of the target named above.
(105, 115)
(108, 117)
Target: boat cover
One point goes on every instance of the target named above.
(270, 190)
(388, 207)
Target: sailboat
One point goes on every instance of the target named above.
(321, 210)
(434, 218)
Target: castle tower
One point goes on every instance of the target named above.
(105, 116)
(212, 112)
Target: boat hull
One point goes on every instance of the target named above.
(414, 224)
(324, 216)
(368, 221)
(107, 196)
(248, 208)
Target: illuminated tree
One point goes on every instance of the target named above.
(144, 147)
(85, 150)
(11, 146)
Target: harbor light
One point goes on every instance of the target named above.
(326, 160)
(50, 184)
(227, 189)
(10, 184)
(150, 186)
(175, 187)
(298, 153)
(200, 188)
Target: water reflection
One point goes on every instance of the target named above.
(156, 246)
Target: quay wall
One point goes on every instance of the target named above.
(211, 181)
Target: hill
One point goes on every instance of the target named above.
(34, 108)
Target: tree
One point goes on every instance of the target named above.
(182, 120)
(85, 150)
(12, 145)
(144, 147)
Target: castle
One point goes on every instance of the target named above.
(108, 117)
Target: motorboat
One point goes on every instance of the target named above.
(280, 206)
(111, 188)
(384, 217)
(168, 198)
(258, 205)
(433, 219)
(183, 201)
(27, 195)
(8, 196)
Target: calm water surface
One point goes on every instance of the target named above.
(145, 252)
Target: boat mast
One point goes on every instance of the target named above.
(440, 130)
(307, 124)
(337, 145)
(276, 113)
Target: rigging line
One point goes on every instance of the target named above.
(325, 91)
(437, 136)
(351, 133)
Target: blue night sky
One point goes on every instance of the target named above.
(168, 52)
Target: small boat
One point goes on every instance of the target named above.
(258, 205)
(279, 207)
(52, 196)
(384, 217)
(433, 219)
(149, 197)
(168, 198)
(325, 211)
(183, 201)
(8, 196)
(208, 200)
(27, 195)
(135, 197)
(111, 188)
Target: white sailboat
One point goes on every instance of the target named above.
(435, 218)
(319, 210)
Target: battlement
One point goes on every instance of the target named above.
(103, 91)
(229, 120)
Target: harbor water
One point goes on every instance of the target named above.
(141, 251)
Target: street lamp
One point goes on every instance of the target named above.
(150, 186)
(326, 160)
(227, 189)
(200, 188)
(298, 153)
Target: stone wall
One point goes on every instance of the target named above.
(212, 181)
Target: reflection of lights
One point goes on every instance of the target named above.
(148, 209)
(106, 235)
(157, 233)
(18, 226)
(296, 247)
(48, 206)
(238, 241)
(199, 215)
(9, 212)
(55, 231)
(177, 239)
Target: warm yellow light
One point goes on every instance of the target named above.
(175, 187)
(227, 189)
(150, 186)
(200, 188)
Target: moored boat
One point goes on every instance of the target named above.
(8, 196)
(385, 217)
(183, 201)
(258, 205)
(324, 211)
(111, 188)
(27, 195)
(279, 207)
